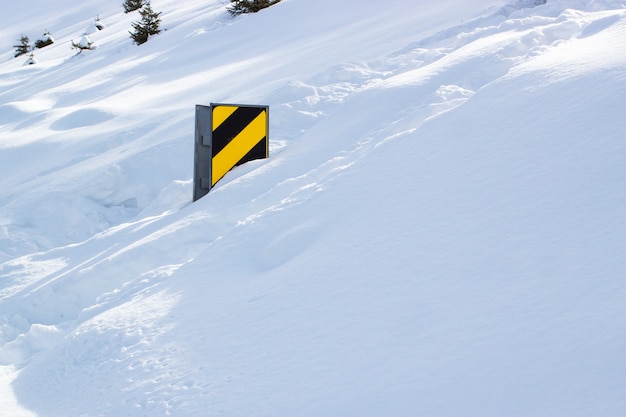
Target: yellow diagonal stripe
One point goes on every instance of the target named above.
(221, 113)
(239, 147)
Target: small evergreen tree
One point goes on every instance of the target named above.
(238, 7)
(84, 44)
(31, 59)
(132, 5)
(147, 26)
(98, 24)
(47, 40)
(23, 47)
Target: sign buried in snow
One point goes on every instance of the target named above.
(227, 135)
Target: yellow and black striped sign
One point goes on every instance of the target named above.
(227, 135)
(239, 134)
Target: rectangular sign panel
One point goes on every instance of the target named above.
(231, 135)
(239, 135)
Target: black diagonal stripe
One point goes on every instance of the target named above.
(258, 152)
(232, 126)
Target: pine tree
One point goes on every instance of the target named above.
(23, 47)
(132, 5)
(147, 26)
(238, 7)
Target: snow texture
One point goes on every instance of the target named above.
(438, 231)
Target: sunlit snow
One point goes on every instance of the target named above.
(439, 229)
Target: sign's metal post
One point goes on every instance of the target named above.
(202, 153)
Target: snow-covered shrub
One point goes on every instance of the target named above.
(31, 59)
(45, 41)
(98, 24)
(238, 7)
(148, 25)
(84, 44)
(23, 47)
(95, 26)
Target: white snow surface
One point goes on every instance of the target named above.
(440, 228)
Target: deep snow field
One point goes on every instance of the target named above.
(440, 228)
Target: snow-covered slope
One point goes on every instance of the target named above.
(438, 229)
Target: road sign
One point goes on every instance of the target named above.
(227, 135)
